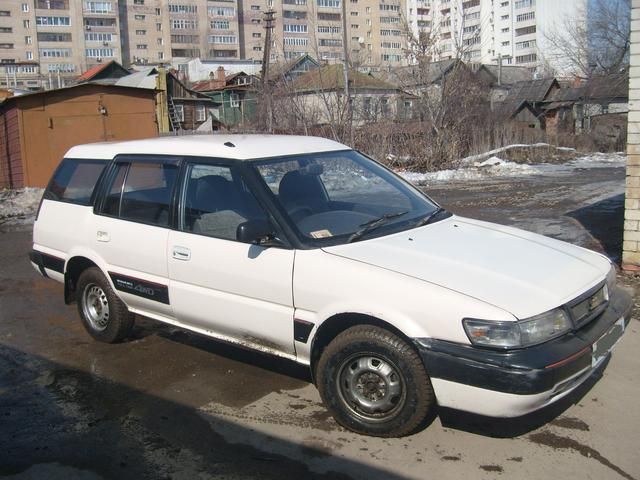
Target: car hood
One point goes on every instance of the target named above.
(517, 271)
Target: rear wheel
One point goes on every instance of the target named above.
(103, 314)
(375, 383)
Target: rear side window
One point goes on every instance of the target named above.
(75, 181)
(142, 192)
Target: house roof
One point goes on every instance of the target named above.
(145, 78)
(415, 75)
(511, 74)
(278, 71)
(213, 84)
(244, 147)
(110, 69)
(600, 87)
(91, 84)
(531, 92)
(331, 77)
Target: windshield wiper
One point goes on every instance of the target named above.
(373, 224)
(427, 220)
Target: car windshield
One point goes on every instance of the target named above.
(340, 197)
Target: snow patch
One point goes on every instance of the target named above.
(494, 166)
(19, 206)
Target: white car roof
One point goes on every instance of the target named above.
(238, 147)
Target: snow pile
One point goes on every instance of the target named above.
(475, 158)
(491, 167)
(473, 168)
(19, 206)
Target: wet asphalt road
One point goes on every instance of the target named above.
(170, 404)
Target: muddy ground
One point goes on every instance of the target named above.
(170, 404)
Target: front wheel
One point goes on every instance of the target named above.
(374, 383)
(103, 314)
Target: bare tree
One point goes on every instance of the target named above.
(593, 40)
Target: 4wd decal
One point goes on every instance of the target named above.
(141, 288)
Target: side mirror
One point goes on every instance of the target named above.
(258, 232)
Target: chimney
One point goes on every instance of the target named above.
(220, 74)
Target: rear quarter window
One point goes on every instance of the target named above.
(75, 181)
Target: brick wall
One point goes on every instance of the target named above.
(631, 244)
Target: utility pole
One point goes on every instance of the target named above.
(266, 57)
(345, 68)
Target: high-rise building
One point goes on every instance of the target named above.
(44, 42)
(488, 31)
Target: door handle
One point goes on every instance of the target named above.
(102, 236)
(181, 253)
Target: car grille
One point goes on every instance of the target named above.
(587, 307)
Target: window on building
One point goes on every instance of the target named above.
(26, 24)
(234, 100)
(221, 11)
(139, 17)
(179, 112)
(523, 17)
(157, 12)
(220, 24)
(255, 7)
(141, 32)
(28, 40)
(525, 30)
(524, 4)
(29, 55)
(256, 35)
(138, 2)
(530, 58)
(182, 24)
(98, 7)
(141, 46)
(160, 55)
(53, 21)
(223, 39)
(183, 9)
(25, 7)
(328, 3)
(294, 28)
(53, 37)
(99, 52)
(201, 113)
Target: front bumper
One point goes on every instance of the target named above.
(516, 382)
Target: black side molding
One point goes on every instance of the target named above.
(44, 260)
(141, 288)
(301, 330)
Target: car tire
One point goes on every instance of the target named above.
(103, 314)
(374, 383)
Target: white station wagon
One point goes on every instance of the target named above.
(304, 248)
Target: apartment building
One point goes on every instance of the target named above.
(488, 31)
(43, 43)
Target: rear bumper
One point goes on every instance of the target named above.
(46, 264)
(516, 382)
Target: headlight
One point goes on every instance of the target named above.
(522, 333)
